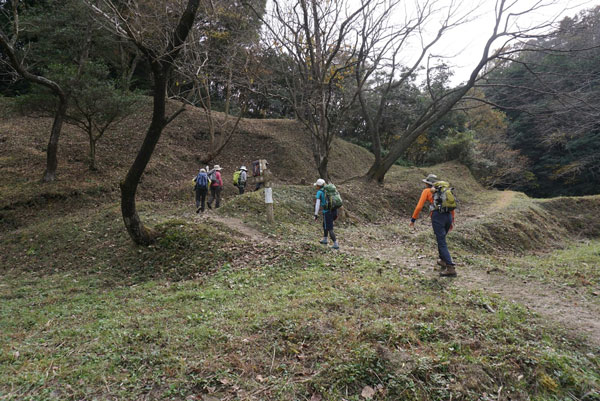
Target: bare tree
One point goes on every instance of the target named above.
(158, 29)
(319, 39)
(17, 61)
(506, 34)
(219, 71)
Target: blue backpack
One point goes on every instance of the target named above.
(202, 180)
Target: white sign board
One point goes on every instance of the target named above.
(268, 195)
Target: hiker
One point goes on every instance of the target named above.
(240, 178)
(442, 221)
(201, 188)
(216, 186)
(256, 172)
(328, 215)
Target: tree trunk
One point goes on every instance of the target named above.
(52, 150)
(136, 229)
(160, 71)
(92, 160)
(379, 169)
(322, 167)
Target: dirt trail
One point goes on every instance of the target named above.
(561, 305)
(503, 201)
(240, 227)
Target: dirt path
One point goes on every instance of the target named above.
(240, 227)
(566, 306)
(561, 305)
(503, 201)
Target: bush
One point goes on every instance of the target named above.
(458, 145)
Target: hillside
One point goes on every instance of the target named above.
(175, 162)
(227, 307)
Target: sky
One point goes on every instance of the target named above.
(464, 45)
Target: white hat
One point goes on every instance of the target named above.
(202, 170)
(243, 168)
(431, 179)
(320, 182)
(217, 167)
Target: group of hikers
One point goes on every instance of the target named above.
(437, 193)
(211, 181)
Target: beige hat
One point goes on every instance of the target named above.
(431, 179)
(217, 167)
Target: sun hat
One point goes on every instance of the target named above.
(203, 170)
(217, 167)
(243, 168)
(431, 179)
(320, 182)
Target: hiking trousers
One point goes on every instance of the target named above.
(328, 219)
(201, 198)
(441, 223)
(215, 195)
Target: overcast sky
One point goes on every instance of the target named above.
(465, 44)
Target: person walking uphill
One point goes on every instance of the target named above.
(216, 186)
(442, 220)
(328, 215)
(240, 178)
(201, 188)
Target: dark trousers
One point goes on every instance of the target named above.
(441, 223)
(215, 195)
(328, 219)
(242, 188)
(201, 198)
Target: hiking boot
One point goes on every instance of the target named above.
(450, 271)
(442, 264)
(323, 241)
(335, 246)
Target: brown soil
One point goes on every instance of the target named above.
(561, 305)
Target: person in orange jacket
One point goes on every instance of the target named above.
(442, 223)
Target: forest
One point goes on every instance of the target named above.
(525, 121)
(113, 286)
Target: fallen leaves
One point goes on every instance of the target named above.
(368, 393)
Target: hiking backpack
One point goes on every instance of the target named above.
(212, 175)
(332, 196)
(236, 177)
(201, 180)
(444, 199)
(255, 168)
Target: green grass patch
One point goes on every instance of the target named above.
(322, 323)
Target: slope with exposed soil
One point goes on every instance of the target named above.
(225, 306)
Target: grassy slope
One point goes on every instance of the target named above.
(174, 163)
(203, 312)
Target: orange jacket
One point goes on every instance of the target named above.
(426, 196)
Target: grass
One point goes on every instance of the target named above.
(205, 314)
(327, 326)
(100, 318)
(574, 266)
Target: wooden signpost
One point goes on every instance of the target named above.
(265, 176)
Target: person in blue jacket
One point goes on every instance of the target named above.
(328, 215)
(201, 188)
